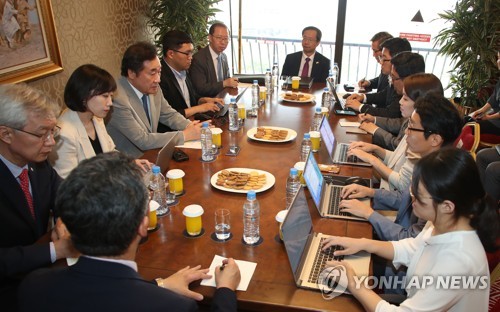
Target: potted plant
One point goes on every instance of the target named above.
(191, 16)
(471, 42)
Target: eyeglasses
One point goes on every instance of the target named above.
(306, 39)
(54, 133)
(189, 53)
(376, 50)
(219, 38)
(410, 128)
(395, 78)
(382, 59)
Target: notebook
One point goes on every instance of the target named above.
(165, 154)
(326, 192)
(303, 246)
(337, 151)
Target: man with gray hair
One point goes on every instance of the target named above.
(29, 185)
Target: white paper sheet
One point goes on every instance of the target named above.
(191, 144)
(349, 124)
(246, 270)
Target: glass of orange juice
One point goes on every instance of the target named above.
(217, 137)
(295, 83)
(153, 219)
(193, 215)
(174, 177)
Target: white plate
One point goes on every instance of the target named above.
(270, 180)
(308, 98)
(290, 136)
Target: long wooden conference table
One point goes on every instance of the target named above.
(272, 287)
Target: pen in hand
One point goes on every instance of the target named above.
(222, 266)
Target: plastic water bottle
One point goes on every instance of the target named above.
(158, 187)
(275, 75)
(233, 116)
(326, 97)
(305, 147)
(268, 78)
(330, 81)
(206, 143)
(255, 99)
(292, 186)
(318, 117)
(251, 219)
(335, 74)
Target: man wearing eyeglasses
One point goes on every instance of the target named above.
(176, 85)
(209, 70)
(308, 62)
(382, 81)
(29, 185)
(139, 108)
(387, 100)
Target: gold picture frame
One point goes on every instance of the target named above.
(32, 51)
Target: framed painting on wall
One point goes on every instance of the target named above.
(28, 41)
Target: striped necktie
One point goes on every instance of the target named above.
(145, 106)
(220, 76)
(25, 186)
(305, 69)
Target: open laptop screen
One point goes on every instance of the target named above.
(296, 229)
(327, 136)
(313, 178)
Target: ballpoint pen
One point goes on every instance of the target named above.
(222, 266)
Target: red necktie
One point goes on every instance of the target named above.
(305, 69)
(25, 186)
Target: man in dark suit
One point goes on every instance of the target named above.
(209, 70)
(104, 205)
(308, 62)
(386, 101)
(176, 85)
(139, 106)
(29, 185)
(382, 81)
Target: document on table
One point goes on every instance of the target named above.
(349, 123)
(246, 270)
(191, 144)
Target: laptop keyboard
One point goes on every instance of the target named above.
(343, 155)
(321, 258)
(334, 201)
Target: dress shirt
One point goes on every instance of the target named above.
(303, 62)
(16, 171)
(181, 79)
(131, 264)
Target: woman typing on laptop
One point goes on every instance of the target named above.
(463, 222)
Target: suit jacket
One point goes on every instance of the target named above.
(95, 285)
(19, 231)
(387, 102)
(204, 75)
(128, 124)
(320, 66)
(73, 144)
(390, 132)
(172, 90)
(380, 83)
(406, 224)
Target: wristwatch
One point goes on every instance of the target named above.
(159, 282)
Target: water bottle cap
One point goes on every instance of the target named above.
(255, 81)
(251, 195)
(307, 136)
(155, 169)
(326, 89)
(233, 100)
(294, 171)
(204, 125)
(318, 109)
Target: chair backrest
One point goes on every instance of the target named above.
(469, 138)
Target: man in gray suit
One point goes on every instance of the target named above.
(209, 70)
(139, 106)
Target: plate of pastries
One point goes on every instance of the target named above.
(242, 180)
(271, 134)
(297, 97)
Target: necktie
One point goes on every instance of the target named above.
(25, 186)
(145, 106)
(220, 77)
(305, 69)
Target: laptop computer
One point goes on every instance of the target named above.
(220, 113)
(303, 246)
(325, 192)
(339, 107)
(337, 151)
(165, 154)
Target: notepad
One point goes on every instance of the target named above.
(246, 270)
(349, 123)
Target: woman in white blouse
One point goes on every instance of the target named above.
(463, 222)
(88, 97)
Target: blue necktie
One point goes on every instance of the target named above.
(145, 106)
(219, 68)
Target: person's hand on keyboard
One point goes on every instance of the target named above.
(353, 191)
(364, 156)
(356, 208)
